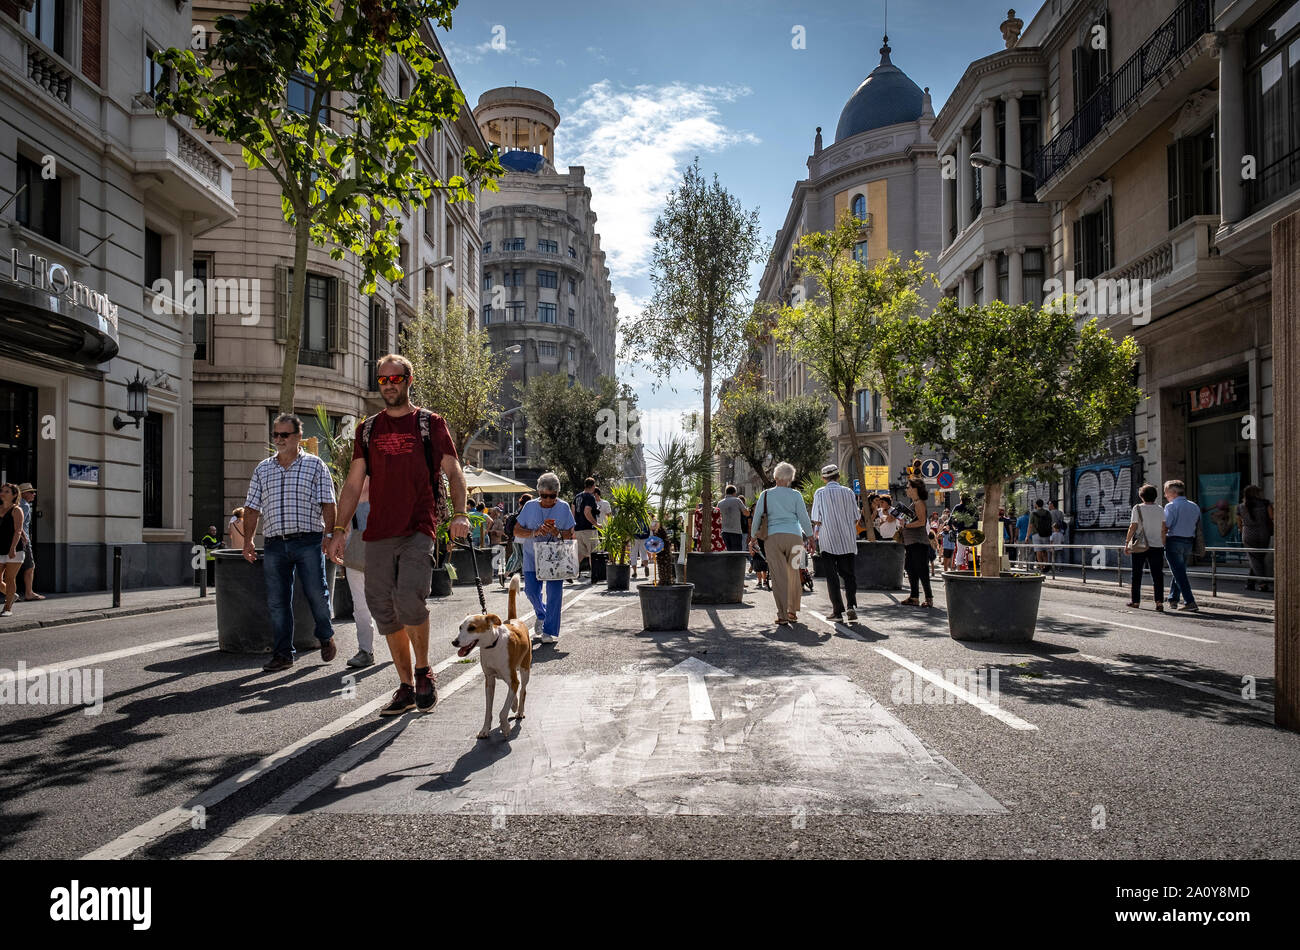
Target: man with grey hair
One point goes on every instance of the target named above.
(292, 494)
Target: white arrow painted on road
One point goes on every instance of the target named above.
(695, 670)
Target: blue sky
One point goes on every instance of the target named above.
(642, 88)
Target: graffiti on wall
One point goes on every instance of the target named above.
(1103, 496)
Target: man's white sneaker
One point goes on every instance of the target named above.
(6, 613)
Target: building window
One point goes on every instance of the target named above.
(1004, 276)
(403, 83)
(154, 73)
(573, 286)
(47, 21)
(860, 252)
(977, 286)
(201, 272)
(545, 348)
(514, 244)
(378, 342)
(1093, 241)
(315, 321)
(298, 95)
(950, 196)
(153, 470)
(404, 260)
(573, 252)
(977, 188)
(512, 278)
(487, 315)
(153, 257)
(1273, 104)
(1033, 275)
(860, 207)
(572, 379)
(573, 353)
(548, 278)
(487, 248)
(546, 312)
(515, 310)
(548, 247)
(1091, 66)
(430, 224)
(449, 245)
(487, 280)
(1000, 139)
(40, 206)
(1030, 133)
(1193, 176)
(572, 317)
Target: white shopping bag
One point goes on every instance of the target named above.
(556, 560)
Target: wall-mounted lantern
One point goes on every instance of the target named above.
(137, 403)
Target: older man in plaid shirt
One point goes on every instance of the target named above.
(294, 490)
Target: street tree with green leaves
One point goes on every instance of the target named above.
(764, 433)
(834, 331)
(344, 157)
(705, 244)
(1005, 391)
(454, 371)
(565, 424)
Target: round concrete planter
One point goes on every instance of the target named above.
(1001, 609)
(618, 576)
(879, 565)
(666, 607)
(461, 559)
(440, 582)
(718, 576)
(600, 567)
(244, 620)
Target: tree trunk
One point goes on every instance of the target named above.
(706, 449)
(297, 294)
(855, 464)
(990, 562)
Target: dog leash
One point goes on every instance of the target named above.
(478, 581)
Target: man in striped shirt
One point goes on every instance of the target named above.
(292, 495)
(834, 518)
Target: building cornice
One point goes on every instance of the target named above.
(957, 105)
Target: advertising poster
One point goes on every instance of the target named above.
(1218, 497)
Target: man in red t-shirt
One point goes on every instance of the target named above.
(400, 530)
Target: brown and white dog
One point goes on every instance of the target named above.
(505, 652)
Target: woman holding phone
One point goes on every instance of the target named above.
(544, 519)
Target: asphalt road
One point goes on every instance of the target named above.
(1116, 734)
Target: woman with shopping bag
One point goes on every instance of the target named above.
(782, 523)
(545, 530)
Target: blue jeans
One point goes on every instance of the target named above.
(548, 609)
(283, 559)
(1177, 550)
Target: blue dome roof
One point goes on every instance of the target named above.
(521, 161)
(885, 97)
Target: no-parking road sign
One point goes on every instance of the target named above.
(946, 478)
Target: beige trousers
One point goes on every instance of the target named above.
(786, 589)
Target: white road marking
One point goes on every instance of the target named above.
(983, 705)
(695, 670)
(1163, 633)
(164, 824)
(8, 676)
(246, 830)
(606, 613)
(841, 628)
(1137, 669)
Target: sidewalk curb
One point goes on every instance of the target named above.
(1114, 590)
(108, 614)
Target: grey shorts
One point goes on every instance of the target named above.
(398, 576)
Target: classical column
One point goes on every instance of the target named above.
(945, 212)
(967, 294)
(1015, 271)
(990, 276)
(1232, 129)
(1012, 150)
(1286, 469)
(988, 145)
(963, 181)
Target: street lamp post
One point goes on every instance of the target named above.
(981, 160)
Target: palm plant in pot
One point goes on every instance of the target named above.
(630, 514)
(1005, 392)
(666, 604)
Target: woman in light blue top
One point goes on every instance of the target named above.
(788, 525)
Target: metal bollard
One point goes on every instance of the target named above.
(117, 576)
(203, 581)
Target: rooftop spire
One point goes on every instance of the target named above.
(884, 53)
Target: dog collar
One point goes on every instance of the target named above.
(493, 643)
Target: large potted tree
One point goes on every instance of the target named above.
(666, 604)
(697, 319)
(1005, 392)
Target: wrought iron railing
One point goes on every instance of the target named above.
(1191, 20)
(1274, 180)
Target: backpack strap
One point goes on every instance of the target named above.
(366, 427)
(425, 417)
